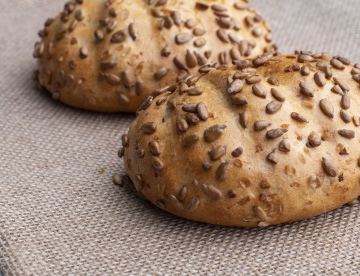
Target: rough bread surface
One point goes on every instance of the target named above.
(278, 156)
(110, 55)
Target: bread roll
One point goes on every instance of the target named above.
(110, 55)
(270, 140)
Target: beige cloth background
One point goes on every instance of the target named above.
(61, 216)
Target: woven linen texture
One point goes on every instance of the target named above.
(62, 215)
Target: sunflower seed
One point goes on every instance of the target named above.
(275, 133)
(256, 79)
(239, 99)
(73, 25)
(192, 119)
(176, 16)
(336, 89)
(213, 133)
(133, 31)
(277, 95)
(243, 47)
(328, 72)
(235, 87)
(273, 107)
(223, 58)
(201, 59)
(160, 3)
(182, 193)
(190, 107)
(156, 163)
(222, 35)
(200, 42)
(242, 64)
(257, 31)
(320, 79)
(344, 60)
(305, 71)
(217, 152)
(329, 167)
(356, 77)
(273, 156)
(198, 32)
(139, 87)
(154, 147)
(260, 60)
(356, 120)
(235, 54)
(157, 13)
(355, 71)
(345, 116)
(193, 204)
(125, 140)
(149, 128)
(260, 125)
(202, 111)
(206, 165)
(125, 79)
(342, 84)
(240, 6)
(118, 37)
(314, 139)
(306, 89)
(345, 100)
(260, 213)
(112, 79)
(165, 52)
(327, 107)
(273, 81)
(108, 64)
(124, 100)
(259, 90)
(350, 134)
(139, 153)
(179, 64)
(191, 60)
(305, 58)
(240, 75)
(190, 139)
(201, 6)
(211, 191)
(337, 64)
(222, 171)
(249, 22)
(181, 124)
(183, 38)
(244, 119)
(284, 145)
(298, 117)
(161, 73)
(84, 52)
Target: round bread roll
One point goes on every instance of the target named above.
(110, 55)
(270, 140)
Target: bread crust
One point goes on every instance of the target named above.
(110, 73)
(270, 182)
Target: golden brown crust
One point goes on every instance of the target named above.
(299, 158)
(110, 55)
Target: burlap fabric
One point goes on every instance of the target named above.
(62, 215)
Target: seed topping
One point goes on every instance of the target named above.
(284, 145)
(320, 79)
(260, 125)
(156, 163)
(259, 90)
(314, 139)
(275, 133)
(327, 107)
(191, 139)
(346, 133)
(213, 133)
(211, 191)
(305, 89)
(149, 128)
(298, 117)
(183, 38)
(273, 156)
(222, 171)
(202, 111)
(273, 107)
(217, 152)
(329, 167)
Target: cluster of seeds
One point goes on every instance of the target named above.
(118, 32)
(247, 78)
